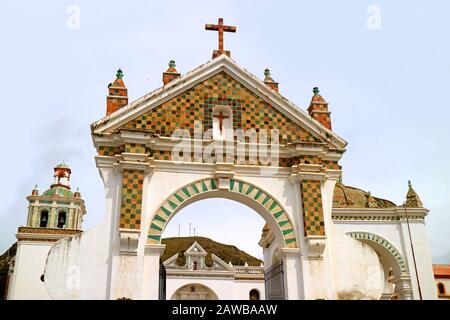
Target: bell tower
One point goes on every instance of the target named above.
(57, 207)
(55, 214)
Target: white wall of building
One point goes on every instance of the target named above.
(127, 275)
(224, 288)
(242, 289)
(397, 234)
(26, 281)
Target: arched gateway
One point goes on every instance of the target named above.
(241, 191)
(219, 131)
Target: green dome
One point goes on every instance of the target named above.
(59, 191)
(62, 165)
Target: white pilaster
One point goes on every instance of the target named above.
(292, 271)
(150, 283)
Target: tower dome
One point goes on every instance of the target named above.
(57, 207)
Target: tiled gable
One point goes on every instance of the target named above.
(197, 103)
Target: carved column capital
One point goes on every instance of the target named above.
(315, 246)
(129, 239)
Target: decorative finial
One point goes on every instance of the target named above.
(172, 64)
(119, 74)
(78, 189)
(269, 81)
(412, 198)
(35, 186)
(316, 90)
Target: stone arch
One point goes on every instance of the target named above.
(398, 262)
(40, 222)
(194, 291)
(254, 294)
(262, 202)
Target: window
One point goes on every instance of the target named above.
(62, 219)
(44, 219)
(441, 288)
(254, 294)
(195, 266)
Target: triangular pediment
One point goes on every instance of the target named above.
(221, 81)
(195, 248)
(219, 264)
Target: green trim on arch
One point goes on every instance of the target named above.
(246, 189)
(362, 235)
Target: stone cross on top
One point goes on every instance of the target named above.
(221, 28)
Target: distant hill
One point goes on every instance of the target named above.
(224, 251)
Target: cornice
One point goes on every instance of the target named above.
(378, 214)
(200, 273)
(163, 143)
(44, 234)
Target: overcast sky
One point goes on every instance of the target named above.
(386, 81)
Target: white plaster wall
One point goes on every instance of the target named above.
(80, 267)
(357, 271)
(397, 234)
(242, 289)
(391, 231)
(348, 269)
(423, 260)
(26, 282)
(77, 266)
(224, 288)
(269, 255)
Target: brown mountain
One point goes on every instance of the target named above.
(225, 252)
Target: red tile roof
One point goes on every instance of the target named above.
(441, 270)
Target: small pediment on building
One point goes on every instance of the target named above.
(194, 259)
(195, 249)
(219, 264)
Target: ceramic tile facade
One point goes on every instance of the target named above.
(249, 111)
(130, 211)
(312, 208)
